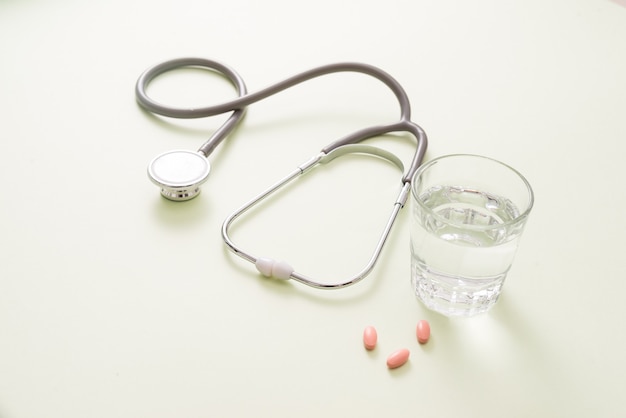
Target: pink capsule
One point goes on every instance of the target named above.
(370, 337)
(398, 358)
(423, 331)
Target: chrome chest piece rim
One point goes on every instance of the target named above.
(179, 173)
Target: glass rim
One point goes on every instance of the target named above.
(520, 218)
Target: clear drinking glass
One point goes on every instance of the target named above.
(468, 214)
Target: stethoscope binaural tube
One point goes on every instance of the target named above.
(180, 173)
(279, 269)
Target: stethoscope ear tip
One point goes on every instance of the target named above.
(179, 173)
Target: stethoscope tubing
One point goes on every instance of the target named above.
(192, 113)
(246, 99)
(239, 105)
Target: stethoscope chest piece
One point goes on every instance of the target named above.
(179, 173)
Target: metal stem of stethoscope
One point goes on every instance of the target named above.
(180, 173)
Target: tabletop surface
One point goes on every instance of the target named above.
(115, 302)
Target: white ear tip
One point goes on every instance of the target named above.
(272, 268)
(282, 270)
(265, 266)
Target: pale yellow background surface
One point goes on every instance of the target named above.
(117, 303)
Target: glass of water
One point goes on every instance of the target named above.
(468, 215)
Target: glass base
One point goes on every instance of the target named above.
(455, 296)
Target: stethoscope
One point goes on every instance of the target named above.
(180, 173)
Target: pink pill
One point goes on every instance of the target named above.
(398, 358)
(423, 331)
(370, 337)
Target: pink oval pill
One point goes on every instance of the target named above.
(398, 358)
(370, 337)
(423, 331)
